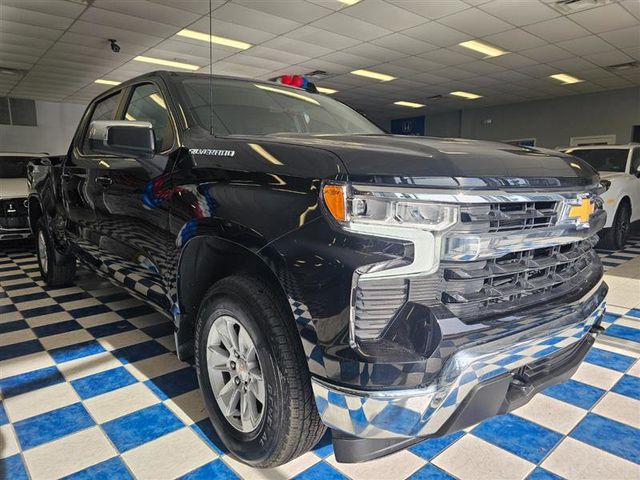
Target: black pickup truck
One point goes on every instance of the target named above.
(320, 272)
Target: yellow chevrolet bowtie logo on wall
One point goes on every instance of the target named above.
(583, 211)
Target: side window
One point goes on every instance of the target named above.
(105, 109)
(147, 105)
(635, 161)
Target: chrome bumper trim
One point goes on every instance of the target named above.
(422, 412)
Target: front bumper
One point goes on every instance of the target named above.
(14, 233)
(502, 371)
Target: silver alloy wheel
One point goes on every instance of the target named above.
(235, 374)
(42, 252)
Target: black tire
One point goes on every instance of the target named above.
(615, 238)
(290, 424)
(60, 269)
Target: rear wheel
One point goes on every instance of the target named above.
(56, 269)
(615, 238)
(253, 374)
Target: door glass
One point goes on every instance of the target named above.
(103, 110)
(635, 161)
(147, 105)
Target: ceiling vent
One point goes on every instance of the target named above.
(572, 6)
(623, 67)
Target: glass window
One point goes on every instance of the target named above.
(253, 108)
(603, 159)
(147, 105)
(635, 161)
(104, 109)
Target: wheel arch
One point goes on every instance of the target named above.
(34, 208)
(204, 260)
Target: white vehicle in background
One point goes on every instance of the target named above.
(14, 215)
(619, 168)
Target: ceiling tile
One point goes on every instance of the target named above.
(539, 70)
(31, 17)
(454, 73)
(385, 15)
(557, 30)
(350, 27)
(297, 47)
(633, 6)
(481, 67)
(126, 22)
(574, 64)
(546, 53)
(612, 57)
(586, 45)
(257, 19)
(514, 40)
(431, 9)
(59, 8)
(28, 30)
(404, 44)
(103, 32)
(525, 12)
(604, 19)
(298, 11)
(512, 60)
(624, 38)
(277, 55)
(375, 52)
(448, 56)
(437, 34)
(475, 22)
(200, 7)
(418, 64)
(352, 61)
(325, 39)
(232, 30)
(150, 11)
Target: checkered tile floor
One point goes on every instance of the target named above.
(90, 388)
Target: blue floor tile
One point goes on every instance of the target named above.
(48, 426)
(103, 382)
(27, 382)
(114, 297)
(431, 472)
(3, 415)
(521, 437)
(7, 308)
(626, 333)
(29, 297)
(320, 471)
(576, 393)
(137, 311)
(609, 435)
(89, 311)
(629, 386)
(39, 311)
(634, 312)
(112, 469)
(20, 349)
(432, 447)
(542, 474)
(12, 468)
(159, 330)
(55, 328)
(610, 317)
(78, 350)
(173, 384)
(205, 430)
(112, 328)
(216, 469)
(141, 427)
(13, 326)
(324, 447)
(139, 351)
(72, 297)
(607, 359)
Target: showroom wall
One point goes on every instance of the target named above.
(56, 125)
(551, 122)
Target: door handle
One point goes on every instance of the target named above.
(104, 181)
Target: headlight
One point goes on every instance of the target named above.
(353, 208)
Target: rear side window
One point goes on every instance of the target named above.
(635, 161)
(148, 105)
(104, 109)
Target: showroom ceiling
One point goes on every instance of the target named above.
(61, 47)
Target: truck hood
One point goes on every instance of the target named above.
(13, 188)
(407, 159)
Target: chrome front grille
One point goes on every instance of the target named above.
(481, 288)
(376, 303)
(507, 216)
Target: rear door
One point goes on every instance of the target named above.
(635, 184)
(130, 209)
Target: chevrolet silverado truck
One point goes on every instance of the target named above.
(320, 272)
(619, 169)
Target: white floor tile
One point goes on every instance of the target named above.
(398, 465)
(155, 366)
(65, 339)
(288, 470)
(551, 413)
(124, 339)
(8, 441)
(85, 366)
(17, 336)
(188, 407)
(620, 408)
(597, 376)
(25, 363)
(120, 402)
(40, 401)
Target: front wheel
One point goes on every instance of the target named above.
(615, 237)
(253, 374)
(56, 269)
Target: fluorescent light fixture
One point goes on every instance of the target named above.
(565, 79)
(158, 99)
(467, 95)
(167, 63)
(326, 91)
(205, 37)
(287, 92)
(477, 46)
(349, 2)
(102, 81)
(378, 76)
(402, 103)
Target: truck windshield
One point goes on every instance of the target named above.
(603, 159)
(13, 167)
(253, 108)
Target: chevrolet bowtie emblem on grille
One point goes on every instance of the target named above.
(583, 211)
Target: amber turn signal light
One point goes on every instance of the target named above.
(334, 199)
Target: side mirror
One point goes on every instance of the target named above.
(122, 138)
